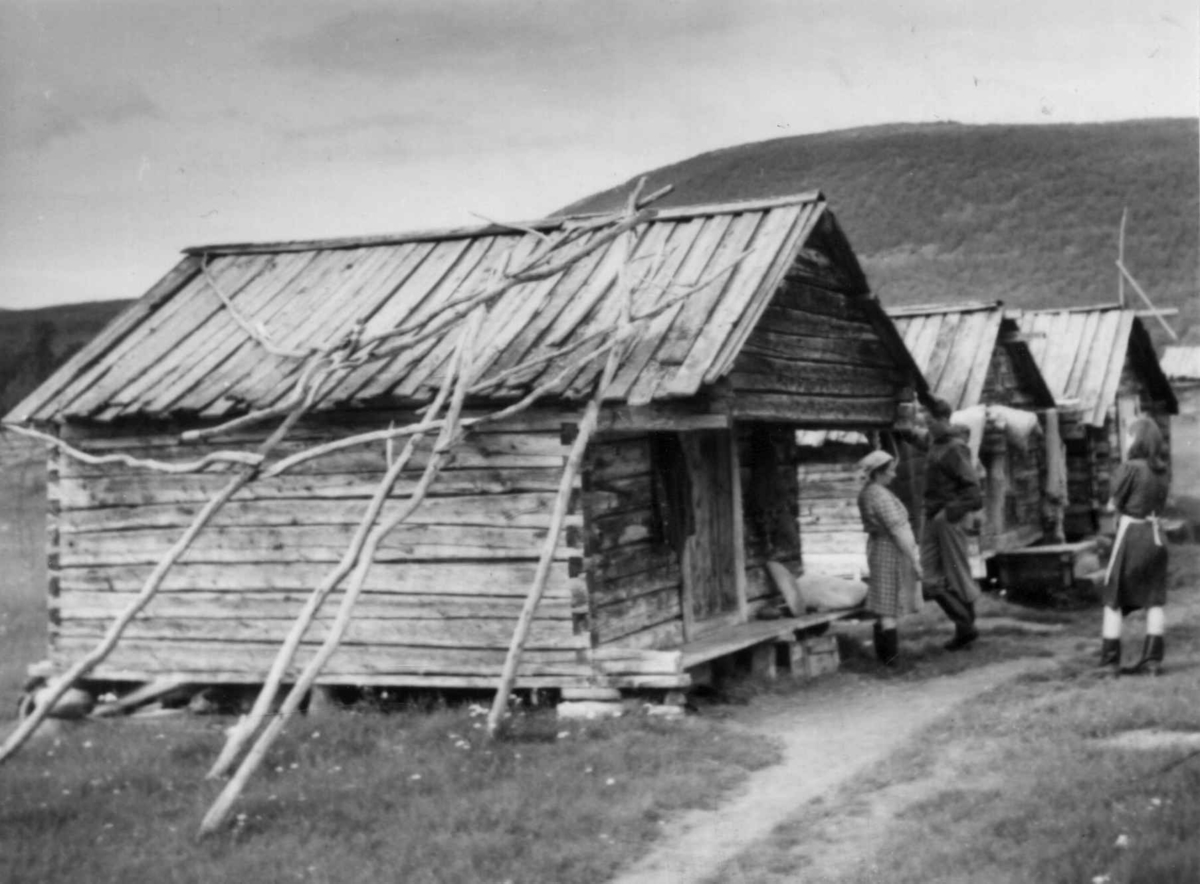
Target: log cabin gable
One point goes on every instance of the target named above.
(1143, 370)
(823, 353)
(1013, 377)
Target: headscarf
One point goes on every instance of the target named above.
(1146, 443)
(873, 463)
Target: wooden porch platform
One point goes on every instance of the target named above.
(732, 639)
(642, 668)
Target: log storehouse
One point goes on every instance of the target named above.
(687, 490)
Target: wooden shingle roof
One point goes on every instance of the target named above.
(953, 346)
(1082, 352)
(179, 352)
(1182, 362)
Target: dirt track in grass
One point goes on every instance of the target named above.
(826, 742)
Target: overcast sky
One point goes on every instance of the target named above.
(130, 129)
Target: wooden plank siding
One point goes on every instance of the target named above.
(782, 376)
(830, 526)
(441, 602)
(634, 579)
(771, 507)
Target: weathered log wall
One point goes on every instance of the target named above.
(633, 573)
(815, 360)
(832, 532)
(771, 505)
(440, 604)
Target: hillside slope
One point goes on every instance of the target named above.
(943, 212)
(35, 342)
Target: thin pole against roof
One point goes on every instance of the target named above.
(1124, 274)
(1121, 259)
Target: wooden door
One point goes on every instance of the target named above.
(710, 585)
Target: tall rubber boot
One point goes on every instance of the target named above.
(1152, 657)
(887, 645)
(1110, 655)
(891, 646)
(962, 615)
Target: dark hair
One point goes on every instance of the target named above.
(940, 409)
(1146, 443)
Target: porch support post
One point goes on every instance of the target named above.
(738, 527)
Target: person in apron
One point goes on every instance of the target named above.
(1137, 569)
(893, 562)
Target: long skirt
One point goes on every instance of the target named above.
(1137, 574)
(892, 585)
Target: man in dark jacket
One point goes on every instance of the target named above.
(951, 492)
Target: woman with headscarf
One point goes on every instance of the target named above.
(1137, 569)
(892, 556)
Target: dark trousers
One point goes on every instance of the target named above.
(946, 567)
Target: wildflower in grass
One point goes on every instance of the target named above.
(562, 735)
(610, 782)
(415, 776)
(1122, 841)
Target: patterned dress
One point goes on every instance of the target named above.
(1137, 575)
(892, 582)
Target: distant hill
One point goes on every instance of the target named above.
(35, 342)
(942, 212)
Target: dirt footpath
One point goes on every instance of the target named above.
(824, 745)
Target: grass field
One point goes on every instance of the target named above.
(412, 796)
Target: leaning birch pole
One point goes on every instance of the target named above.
(89, 661)
(219, 812)
(242, 733)
(587, 426)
